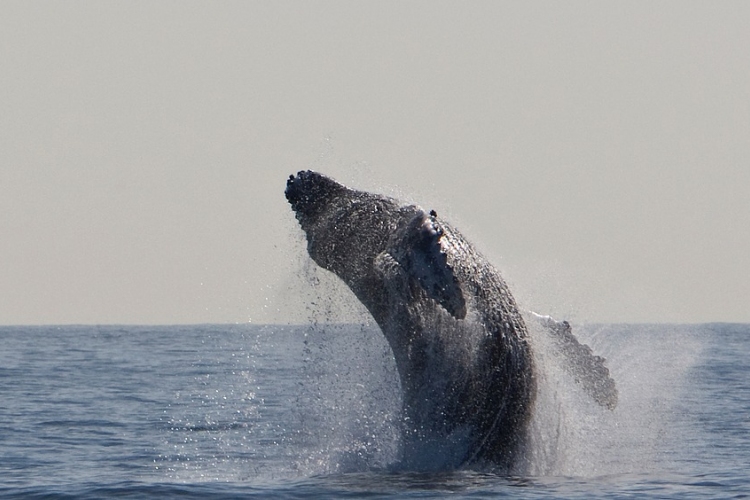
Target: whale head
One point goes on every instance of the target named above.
(361, 236)
(346, 229)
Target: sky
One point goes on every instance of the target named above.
(598, 153)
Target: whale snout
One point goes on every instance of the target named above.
(308, 192)
(300, 190)
(297, 186)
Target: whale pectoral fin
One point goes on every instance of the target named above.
(587, 368)
(429, 265)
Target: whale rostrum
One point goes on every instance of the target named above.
(461, 344)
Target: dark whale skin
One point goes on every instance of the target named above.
(460, 343)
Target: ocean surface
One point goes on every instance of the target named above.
(217, 411)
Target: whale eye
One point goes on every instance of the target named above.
(433, 213)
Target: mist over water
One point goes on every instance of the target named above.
(572, 436)
(350, 396)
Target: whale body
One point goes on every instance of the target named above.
(461, 345)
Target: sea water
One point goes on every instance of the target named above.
(312, 411)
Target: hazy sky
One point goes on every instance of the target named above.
(597, 152)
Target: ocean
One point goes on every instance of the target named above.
(312, 411)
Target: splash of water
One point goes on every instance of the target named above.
(572, 436)
(356, 399)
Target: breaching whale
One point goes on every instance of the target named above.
(461, 345)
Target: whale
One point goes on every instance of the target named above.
(461, 344)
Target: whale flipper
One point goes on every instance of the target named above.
(417, 248)
(582, 364)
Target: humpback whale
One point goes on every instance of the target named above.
(461, 345)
